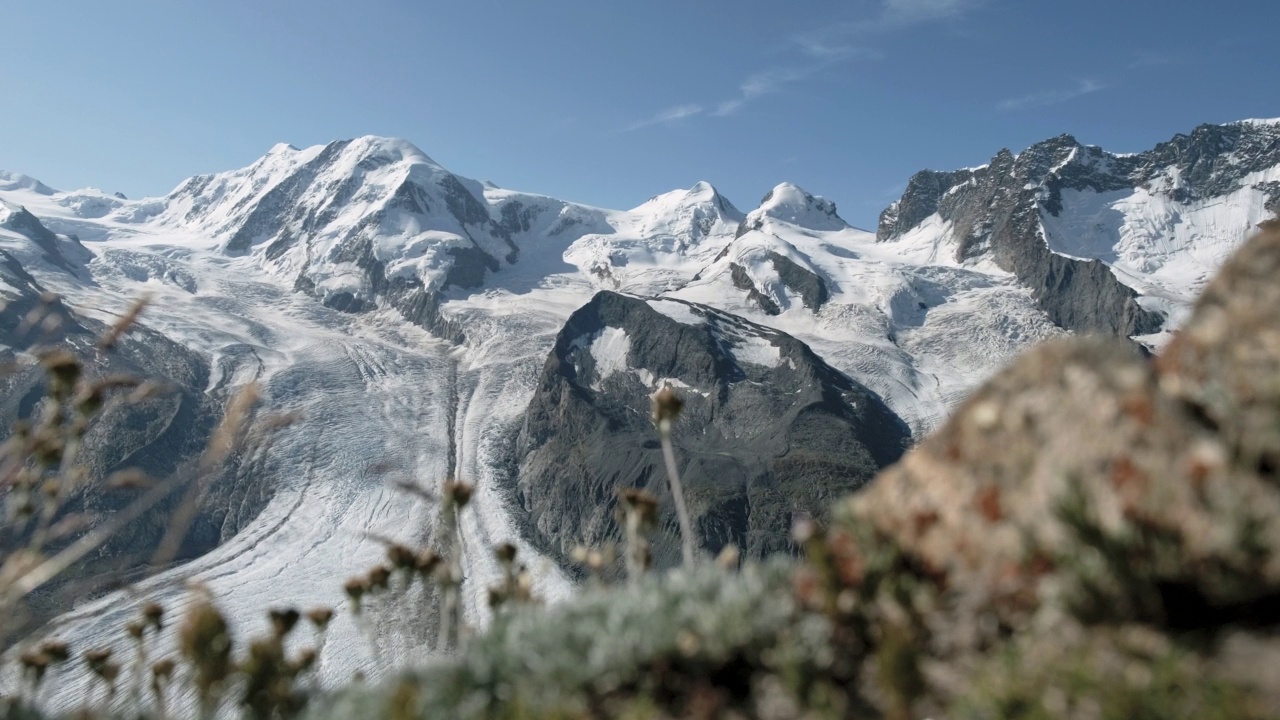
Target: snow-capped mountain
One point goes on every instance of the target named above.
(1108, 243)
(424, 326)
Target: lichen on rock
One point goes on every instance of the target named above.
(1085, 489)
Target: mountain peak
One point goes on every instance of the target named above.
(792, 204)
(390, 149)
(11, 181)
(703, 191)
(682, 202)
(702, 187)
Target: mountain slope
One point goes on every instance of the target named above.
(420, 326)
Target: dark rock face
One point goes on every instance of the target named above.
(995, 211)
(163, 435)
(27, 295)
(278, 208)
(742, 281)
(1213, 159)
(24, 293)
(768, 431)
(415, 302)
(811, 288)
(920, 200)
(21, 221)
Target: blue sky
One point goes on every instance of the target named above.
(609, 103)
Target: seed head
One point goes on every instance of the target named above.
(154, 615)
(163, 669)
(320, 617)
(506, 552)
(643, 504)
(267, 678)
(401, 557)
(524, 584)
(379, 577)
(355, 589)
(97, 660)
(459, 493)
(35, 662)
(64, 370)
(595, 559)
(205, 641)
(306, 660)
(56, 650)
(282, 621)
(48, 448)
(729, 557)
(805, 530)
(426, 562)
(666, 406)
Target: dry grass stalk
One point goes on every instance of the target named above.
(639, 511)
(667, 406)
(122, 326)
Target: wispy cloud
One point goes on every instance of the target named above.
(728, 107)
(1148, 58)
(775, 79)
(1049, 97)
(817, 51)
(668, 116)
(910, 12)
(889, 16)
(767, 82)
(830, 47)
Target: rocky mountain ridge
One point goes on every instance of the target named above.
(770, 431)
(1017, 211)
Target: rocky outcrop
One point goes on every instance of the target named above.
(742, 280)
(769, 431)
(799, 281)
(21, 296)
(1085, 489)
(20, 221)
(805, 283)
